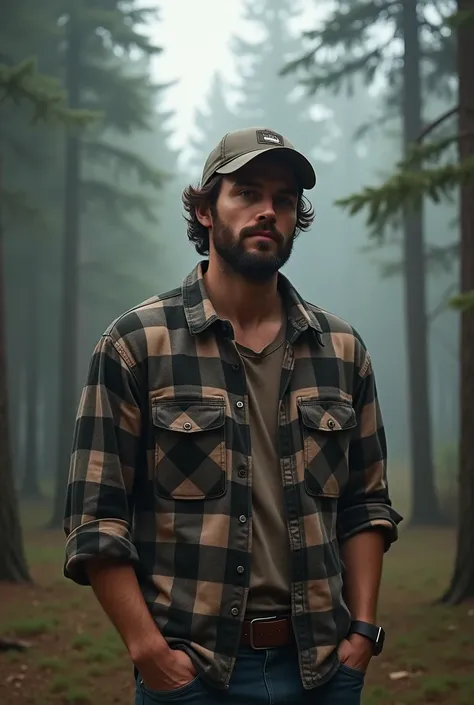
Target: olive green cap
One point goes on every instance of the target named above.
(238, 148)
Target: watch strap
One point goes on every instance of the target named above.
(370, 631)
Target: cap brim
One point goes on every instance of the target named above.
(302, 167)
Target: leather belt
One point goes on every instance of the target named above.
(266, 632)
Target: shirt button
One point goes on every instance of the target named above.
(240, 404)
(235, 367)
(187, 426)
(241, 472)
(242, 518)
(234, 611)
(240, 569)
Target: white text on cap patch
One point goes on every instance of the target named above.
(267, 137)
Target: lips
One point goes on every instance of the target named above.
(264, 233)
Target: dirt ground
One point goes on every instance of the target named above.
(76, 658)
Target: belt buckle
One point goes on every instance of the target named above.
(258, 619)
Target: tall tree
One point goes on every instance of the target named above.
(18, 83)
(345, 46)
(211, 122)
(96, 79)
(432, 170)
(265, 97)
(261, 96)
(26, 29)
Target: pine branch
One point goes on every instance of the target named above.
(436, 123)
(116, 202)
(407, 189)
(460, 18)
(344, 33)
(331, 74)
(438, 258)
(23, 83)
(123, 99)
(120, 27)
(124, 161)
(463, 302)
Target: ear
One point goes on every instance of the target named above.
(203, 214)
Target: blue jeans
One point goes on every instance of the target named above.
(263, 678)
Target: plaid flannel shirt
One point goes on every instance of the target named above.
(161, 471)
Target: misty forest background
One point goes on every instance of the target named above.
(92, 218)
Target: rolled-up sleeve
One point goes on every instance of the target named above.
(105, 449)
(365, 503)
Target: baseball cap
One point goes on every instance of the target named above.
(238, 148)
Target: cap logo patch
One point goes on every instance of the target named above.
(267, 137)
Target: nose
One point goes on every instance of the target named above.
(267, 211)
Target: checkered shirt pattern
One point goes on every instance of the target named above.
(161, 470)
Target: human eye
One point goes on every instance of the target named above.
(247, 194)
(286, 201)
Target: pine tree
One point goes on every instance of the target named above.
(266, 98)
(28, 40)
(432, 171)
(211, 123)
(19, 84)
(96, 34)
(348, 45)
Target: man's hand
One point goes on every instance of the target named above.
(356, 652)
(165, 670)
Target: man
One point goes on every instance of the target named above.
(227, 497)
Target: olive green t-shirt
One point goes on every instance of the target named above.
(270, 574)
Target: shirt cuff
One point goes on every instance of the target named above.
(109, 538)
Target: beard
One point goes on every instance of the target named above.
(257, 266)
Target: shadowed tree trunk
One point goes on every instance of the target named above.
(30, 487)
(425, 507)
(69, 303)
(13, 567)
(462, 583)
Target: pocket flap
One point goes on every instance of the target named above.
(188, 415)
(327, 415)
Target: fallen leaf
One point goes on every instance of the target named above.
(398, 675)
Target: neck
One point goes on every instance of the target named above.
(239, 300)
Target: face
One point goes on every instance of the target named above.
(252, 227)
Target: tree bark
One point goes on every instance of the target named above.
(13, 567)
(69, 302)
(425, 507)
(462, 582)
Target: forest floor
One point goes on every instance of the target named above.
(76, 658)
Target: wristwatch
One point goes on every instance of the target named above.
(370, 631)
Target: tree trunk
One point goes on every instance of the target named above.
(425, 507)
(69, 302)
(462, 583)
(31, 488)
(13, 567)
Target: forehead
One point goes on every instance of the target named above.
(266, 170)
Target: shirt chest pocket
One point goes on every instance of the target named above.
(327, 428)
(190, 453)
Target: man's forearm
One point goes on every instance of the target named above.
(116, 587)
(362, 555)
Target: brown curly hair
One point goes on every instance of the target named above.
(206, 196)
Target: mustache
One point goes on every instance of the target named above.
(265, 227)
